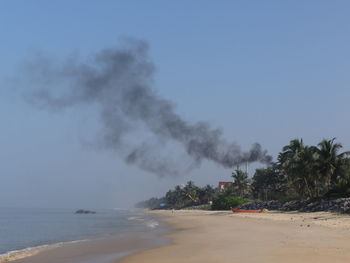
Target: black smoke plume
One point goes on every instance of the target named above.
(119, 81)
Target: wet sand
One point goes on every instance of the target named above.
(209, 236)
(104, 250)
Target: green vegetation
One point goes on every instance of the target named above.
(301, 172)
(183, 196)
(304, 172)
(241, 183)
(268, 184)
(312, 171)
(226, 202)
(189, 195)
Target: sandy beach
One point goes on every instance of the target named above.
(102, 250)
(209, 236)
(218, 236)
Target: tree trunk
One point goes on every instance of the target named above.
(308, 188)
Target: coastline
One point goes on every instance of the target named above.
(92, 251)
(32, 251)
(98, 249)
(216, 236)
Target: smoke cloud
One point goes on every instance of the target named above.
(119, 82)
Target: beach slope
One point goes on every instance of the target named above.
(209, 236)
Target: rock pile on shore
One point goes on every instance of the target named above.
(198, 207)
(336, 205)
(271, 205)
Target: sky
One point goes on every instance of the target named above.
(262, 71)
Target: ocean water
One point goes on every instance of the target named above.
(23, 228)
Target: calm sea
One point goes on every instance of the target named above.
(27, 228)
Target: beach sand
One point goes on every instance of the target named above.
(209, 236)
(214, 236)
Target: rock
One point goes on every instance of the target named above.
(81, 211)
(336, 205)
(270, 205)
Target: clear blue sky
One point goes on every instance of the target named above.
(263, 71)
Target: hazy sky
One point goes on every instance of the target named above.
(263, 71)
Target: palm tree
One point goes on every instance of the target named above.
(330, 162)
(206, 194)
(190, 191)
(241, 181)
(307, 171)
(268, 182)
(311, 170)
(287, 160)
(297, 161)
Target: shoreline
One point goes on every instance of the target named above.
(91, 251)
(97, 249)
(221, 236)
(216, 236)
(31, 251)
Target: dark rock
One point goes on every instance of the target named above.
(81, 211)
(336, 205)
(270, 205)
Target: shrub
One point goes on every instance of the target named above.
(226, 202)
(340, 191)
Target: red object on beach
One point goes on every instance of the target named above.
(246, 211)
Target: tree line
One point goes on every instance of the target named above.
(300, 172)
(306, 171)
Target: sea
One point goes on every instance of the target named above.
(26, 229)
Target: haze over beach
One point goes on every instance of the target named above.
(253, 70)
(103, 105)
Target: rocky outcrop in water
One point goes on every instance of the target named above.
(81, 211)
